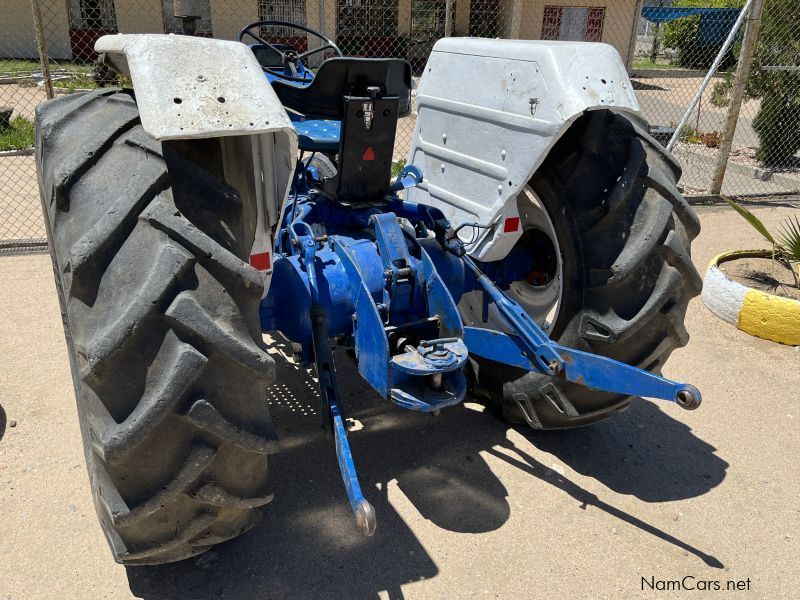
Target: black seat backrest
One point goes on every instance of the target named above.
(267, 57)
(340, 77)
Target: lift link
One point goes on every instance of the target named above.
(328, 389)
(362, 509)
(531, 349)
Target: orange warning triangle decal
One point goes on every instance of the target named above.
(369, 154)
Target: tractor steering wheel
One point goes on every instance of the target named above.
(290, 58)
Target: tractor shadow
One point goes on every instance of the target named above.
(307, 546)
(640, 85)
(3, 421)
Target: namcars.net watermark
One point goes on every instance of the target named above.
(690, 583)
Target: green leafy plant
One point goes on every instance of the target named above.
(689, 135)
(789, 238)
(398, 166)
(785, 243)
(778, 120)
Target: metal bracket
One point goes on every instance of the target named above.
(332, 415)
(400, 276)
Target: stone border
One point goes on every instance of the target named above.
(792, 184)
(755, 312)
(23, 152)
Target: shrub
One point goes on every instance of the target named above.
(711, 139)
(778, 120)
(689, 135)
(778, 127)
(785, 243)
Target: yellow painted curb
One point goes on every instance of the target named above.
(760, 314)
(771, 317)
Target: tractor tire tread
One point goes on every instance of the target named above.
(160, 311)
(632, 233)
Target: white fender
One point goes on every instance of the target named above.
(488, 113)
(192, 87)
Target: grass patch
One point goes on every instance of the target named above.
(645, 64)
(16, 67)
(79, 76)
(76, 82)
(19, 136)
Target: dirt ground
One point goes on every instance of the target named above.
(23, 98)
(763, 274)
(467, 507)
(20, 206)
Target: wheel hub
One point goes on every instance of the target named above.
(540, 291)
(541, 248)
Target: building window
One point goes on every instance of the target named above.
(173, 25)
(573, 23)
(484, 18)
(428, 18)
(92, 14)
(367, 18)
(292, 11)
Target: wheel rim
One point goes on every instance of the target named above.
(542, 299)
(540, 293)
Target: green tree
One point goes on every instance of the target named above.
(681, 35)
(778, 120)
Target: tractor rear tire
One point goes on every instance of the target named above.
(624, 233)
(160, 312)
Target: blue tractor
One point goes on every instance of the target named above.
(533, 251)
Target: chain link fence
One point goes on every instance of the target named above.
(676, 44)
(667, 45)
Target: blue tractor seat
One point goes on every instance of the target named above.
(318, 135)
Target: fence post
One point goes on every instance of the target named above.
(448, 18)
(637, 16)
(41, 45)
(737, 94)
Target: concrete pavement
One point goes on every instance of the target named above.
(467, 507)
